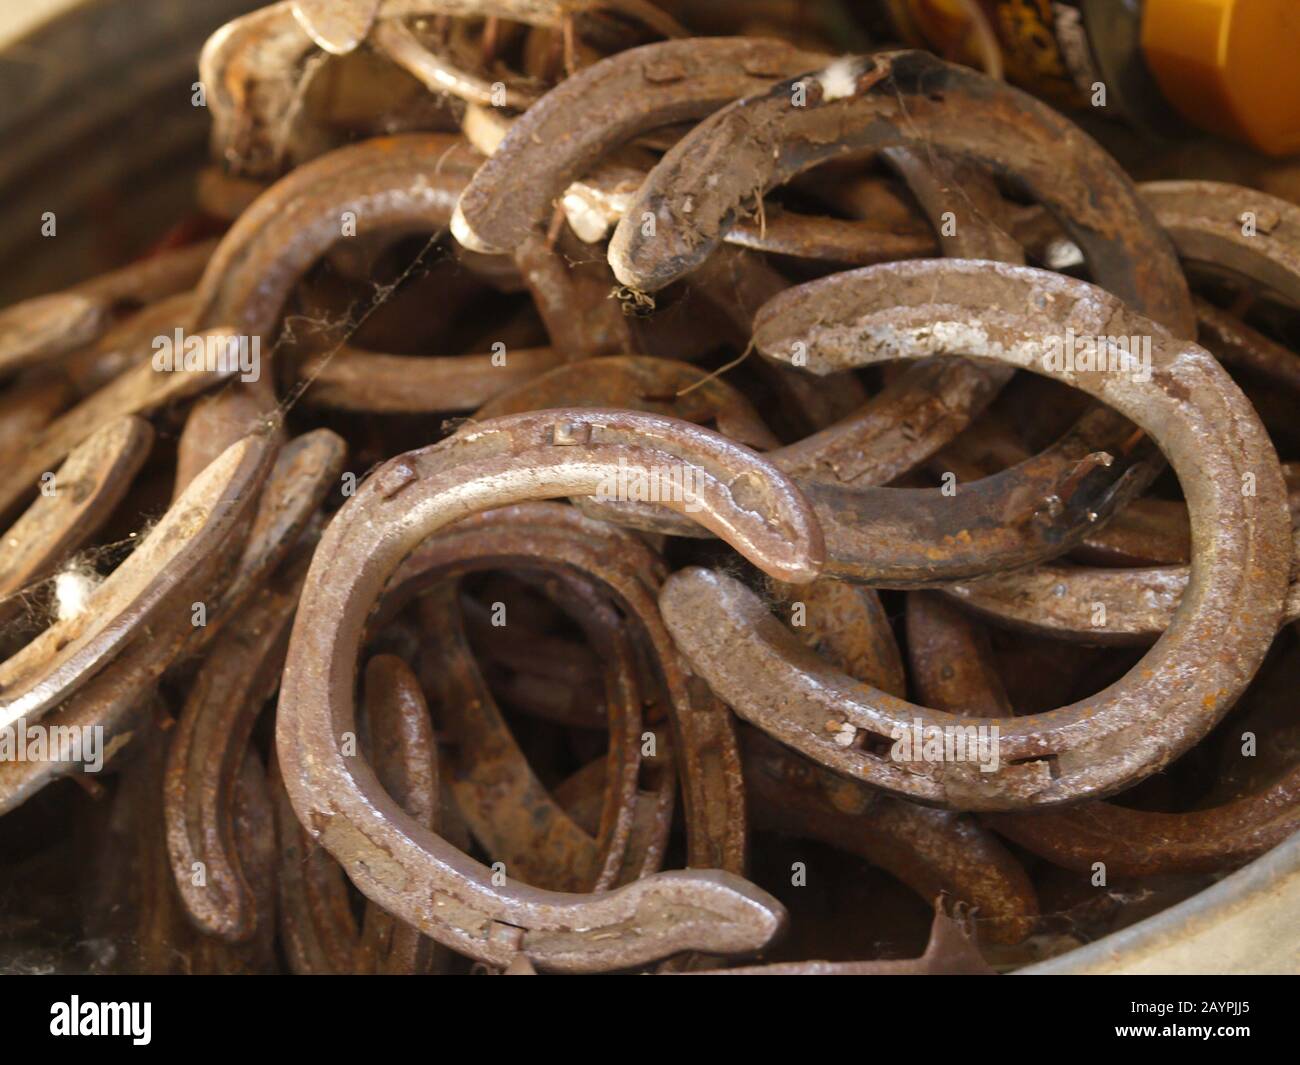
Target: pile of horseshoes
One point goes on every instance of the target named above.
(648, 487)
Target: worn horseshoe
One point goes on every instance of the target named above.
(1241, 549)
(88, 486)
(245, 640)
(408, 182)
(208, 516)
(898, 99)
(396, 184)
(408, 870)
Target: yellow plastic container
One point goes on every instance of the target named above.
(1230, 66)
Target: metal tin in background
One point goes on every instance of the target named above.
(98, 126)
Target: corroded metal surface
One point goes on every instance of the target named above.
(1092, 747)
(442, 891)
(732, 520)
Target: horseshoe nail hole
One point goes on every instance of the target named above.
(663, 72)
(1050, 761)
(570, 433)
(394, 479)
(875, 745)
(507, 935)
